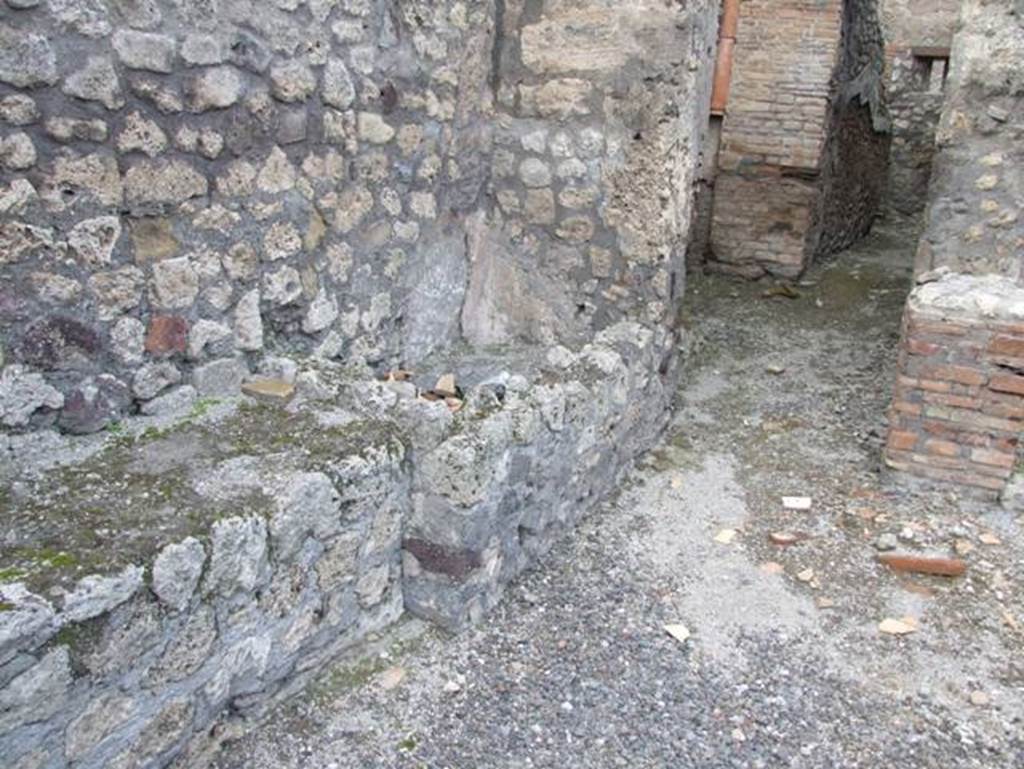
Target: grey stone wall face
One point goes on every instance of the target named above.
(185, 182)
(913, 97)
(973, 221)
(197, 567)
(198, 193)
(222, 568)
(915, 113)
(600, 112)
(189, 183)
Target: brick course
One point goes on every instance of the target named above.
(957, 412)
(796, 168)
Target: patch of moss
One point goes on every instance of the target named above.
(202, 407)
(123, 504)
(11, 574)
(78, 636)
(408, 744)
(61, 560)
(4, 606)
(343, 678)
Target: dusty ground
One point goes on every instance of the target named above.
(785, 666)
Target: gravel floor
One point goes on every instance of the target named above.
(785, 665)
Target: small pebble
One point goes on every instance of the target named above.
(887, 541)
(979, 698)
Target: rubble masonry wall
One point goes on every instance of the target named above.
(199, 193)
(915, 101)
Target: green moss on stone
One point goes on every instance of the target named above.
(120, 506)
(11, 574)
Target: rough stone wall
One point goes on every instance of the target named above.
(199, 565)
(256, 190)
(803, 138)
(856, 153)
(186, 572)
(914, 106)
(188, 185)
(597, 134)
(193, 186)
(973, 222)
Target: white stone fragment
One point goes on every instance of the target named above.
(94, 595)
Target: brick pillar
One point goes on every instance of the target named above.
(958, 406)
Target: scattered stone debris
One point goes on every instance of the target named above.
(679, 632)
(796, 503)
(787, 538)
(725, 536)
(887, 541)
(781, 291)
(448, 391)
(446, 387)
(904, 626)
(391, 678)
(979, 699)
(269, 390)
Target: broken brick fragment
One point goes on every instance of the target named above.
(785, 538)
(924, 564)
(167, 335)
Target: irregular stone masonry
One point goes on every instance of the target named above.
(187, 187)
(958, 408)
(914, 94)
(199, 566)
(197, 194)
(973, 221)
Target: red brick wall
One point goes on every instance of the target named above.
(785, 54)
(776, 121)
(958, 409)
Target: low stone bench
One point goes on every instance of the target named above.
(157, 579)
(184, 569)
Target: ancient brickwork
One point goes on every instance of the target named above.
(773, 134)
(803, 136)
(973, 222)
(785, 56)
(958, 408)
(916, 32)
